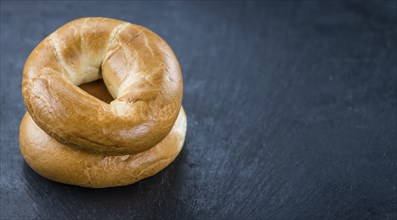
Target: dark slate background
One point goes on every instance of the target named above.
(291, 112)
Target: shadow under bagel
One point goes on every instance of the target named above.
(166, 183)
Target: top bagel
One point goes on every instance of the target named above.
(139, 69)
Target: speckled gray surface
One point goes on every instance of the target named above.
(291, 112)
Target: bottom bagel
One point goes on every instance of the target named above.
(65, 164)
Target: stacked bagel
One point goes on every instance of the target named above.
(70, 136)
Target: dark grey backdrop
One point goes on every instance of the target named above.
(291, 111)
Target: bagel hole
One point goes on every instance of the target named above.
(97, 89)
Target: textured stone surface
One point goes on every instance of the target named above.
(291, 112)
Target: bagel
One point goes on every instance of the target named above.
(139, 69)
(79, 132)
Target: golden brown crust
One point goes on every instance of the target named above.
(139, 69)
(105, 133)
(64, 164)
